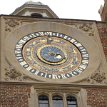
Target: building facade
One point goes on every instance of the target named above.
(103, 11)
(51, 62)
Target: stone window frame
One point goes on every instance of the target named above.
(79, 93)
(63, 95)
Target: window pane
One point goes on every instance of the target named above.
(43, 101)
(71, 101)
(57, 101)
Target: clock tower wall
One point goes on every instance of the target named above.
(43, 25)
(102, 29)
(28, 87)
(19, 27)
(0, 43)
(83, 31)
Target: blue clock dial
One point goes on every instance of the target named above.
(52, 54)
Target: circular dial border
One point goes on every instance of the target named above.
(38, 51)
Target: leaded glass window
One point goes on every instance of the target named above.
(43, 101)
(71, 101)
(57, 101)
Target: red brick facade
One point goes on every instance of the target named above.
(18, 95)
(102, 28)
(97, 97)
(14, 95)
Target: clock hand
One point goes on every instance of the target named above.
(49, 40)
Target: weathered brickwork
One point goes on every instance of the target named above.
(14, 95)
(102, 28)
(97, 97)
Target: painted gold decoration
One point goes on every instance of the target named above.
(51, 55)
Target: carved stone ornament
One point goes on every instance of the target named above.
(10, 24)
(98, 77)
(87, 28)
(13, 74)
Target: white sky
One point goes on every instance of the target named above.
(72, 9)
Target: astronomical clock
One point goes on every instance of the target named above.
(52, 52)
(51, 55)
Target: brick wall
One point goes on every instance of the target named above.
(14, 95)
(102, 28)
(97, 97)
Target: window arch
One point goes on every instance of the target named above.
(71, 101)
(57, 101)
(43, 101)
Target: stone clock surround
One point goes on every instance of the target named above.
(82, 37)
(96, 93)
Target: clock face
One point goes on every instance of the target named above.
(51, 55)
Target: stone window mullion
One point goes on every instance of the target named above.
(64, 100)
(50, 100)
(36, 99)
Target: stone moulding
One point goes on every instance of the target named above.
(97, 77)
(11, 23)
(11, 74)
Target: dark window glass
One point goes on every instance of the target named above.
(57, 101)
(36, 15)
(71, 101)
(43, 101)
